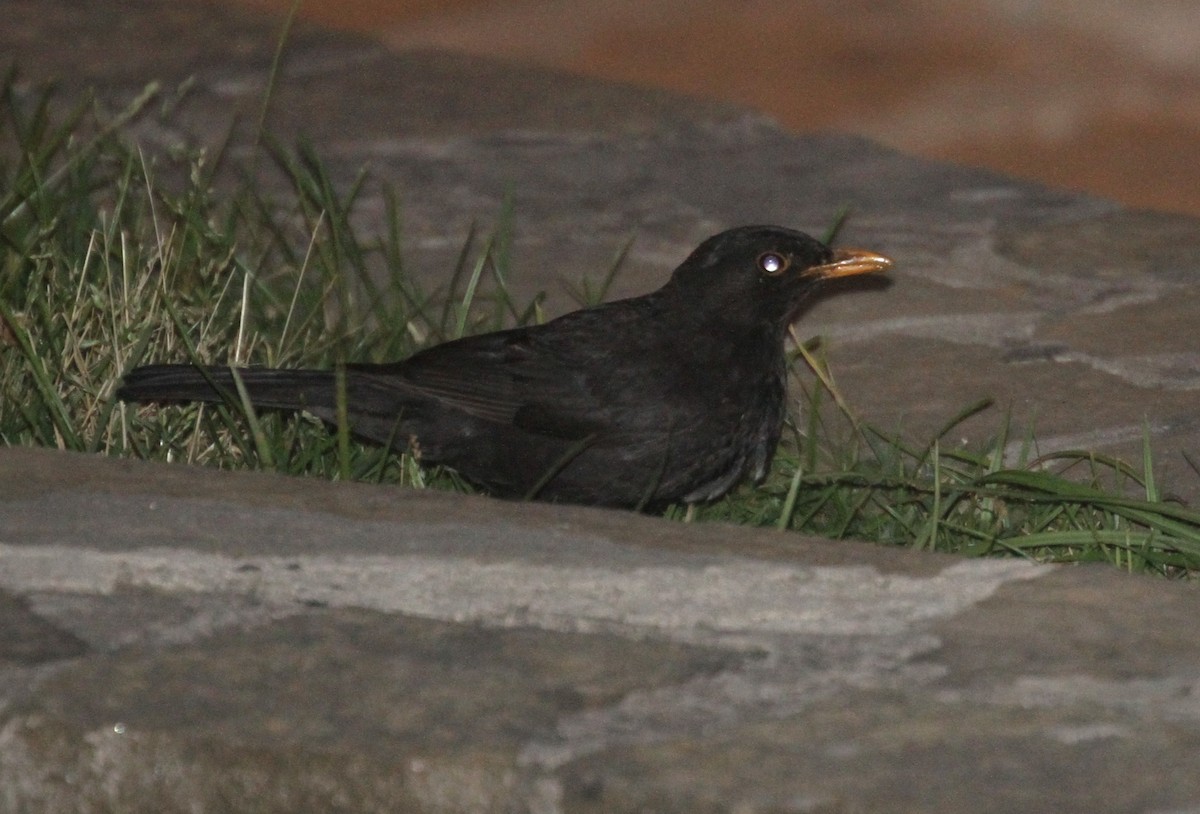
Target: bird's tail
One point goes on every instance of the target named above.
(267, 387)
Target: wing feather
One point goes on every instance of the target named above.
(503, 378)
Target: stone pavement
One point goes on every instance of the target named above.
(183, 640)
(186, 640)
(1100, 95)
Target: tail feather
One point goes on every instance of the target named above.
(268, 387)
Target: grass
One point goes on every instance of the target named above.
(110, 258)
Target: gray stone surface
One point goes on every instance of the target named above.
(179, 639)
(174, 640)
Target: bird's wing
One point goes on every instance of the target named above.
(508, 377)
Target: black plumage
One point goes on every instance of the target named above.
(676, 395)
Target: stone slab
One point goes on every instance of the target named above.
(179, 639)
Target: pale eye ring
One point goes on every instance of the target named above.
(773, 263)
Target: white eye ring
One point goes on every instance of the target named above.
(773, 263)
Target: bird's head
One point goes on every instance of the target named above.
(759, 275)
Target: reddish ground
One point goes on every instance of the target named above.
(1100, 95)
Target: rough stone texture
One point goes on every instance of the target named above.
(183, 640)
(195, 640)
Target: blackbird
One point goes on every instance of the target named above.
(672, 396)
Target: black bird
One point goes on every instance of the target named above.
(676, 395)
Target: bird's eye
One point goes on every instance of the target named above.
(773, 263)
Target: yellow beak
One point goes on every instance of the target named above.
(848, 262)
